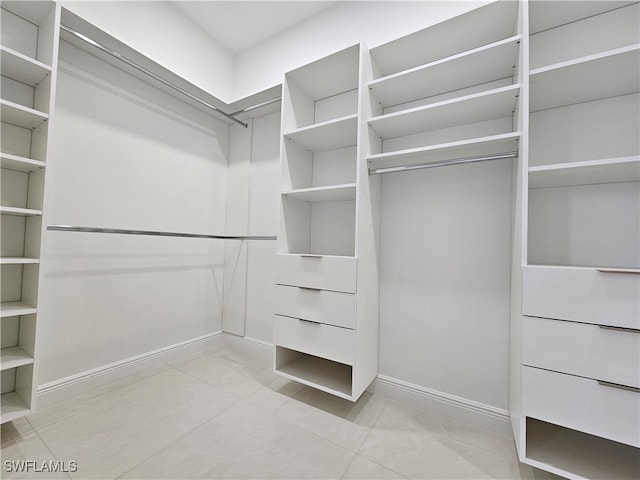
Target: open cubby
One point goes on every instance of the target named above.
(572, 453)
(315, 371)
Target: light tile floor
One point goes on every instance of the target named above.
(224, 414)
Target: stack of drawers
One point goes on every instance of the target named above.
(581, 350)
(315, 315)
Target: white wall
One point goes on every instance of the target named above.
(445, 279)
(340, 26)
(124, 155)
(161, 32)
(252, 209)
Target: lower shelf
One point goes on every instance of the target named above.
(12, 407)
(326, 375)
(575, 454)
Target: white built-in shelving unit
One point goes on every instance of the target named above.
(28, 60)
(326, 322)
(438, 96)
(576, 405)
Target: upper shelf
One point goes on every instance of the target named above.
(480, 65)
(22, 68)
(603, 75)
(18, 163)
(482, 26)
(330, 193)
(488, 105)
(610, 170)
(544, 15)
(329, 135)
(330, 75)
(475, 147)
(20, 115)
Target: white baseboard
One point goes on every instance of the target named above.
(469, 411)
(441, 403)
(79, 383)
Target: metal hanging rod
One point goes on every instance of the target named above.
(255, 107)
(142, 69)
(122, 231)
(443, 163)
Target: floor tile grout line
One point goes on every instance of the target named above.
(222, 412)
(204, 382)
(45, 443)
(116, 389)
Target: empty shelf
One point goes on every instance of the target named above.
(20, 115)
(12, 407)
(22, 68)
(603, 75)
(319, 373)
(480, 65)
(12, 357)
(20, 212)
(324, 194)
(12, 309)
(21, 164)
(611, 170)
(488, 105)
(18, 260)
(507, 142)
(329, 135)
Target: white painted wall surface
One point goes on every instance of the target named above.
(127, 156)
(252, 209)
(445, 279)
(161, 32)
(340, 26)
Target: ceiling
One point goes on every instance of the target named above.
(239, 25)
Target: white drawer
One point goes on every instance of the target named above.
(582, 404)
(601, 353)
(323, 306)
(323, 272)
(325, 341)
(582, 294)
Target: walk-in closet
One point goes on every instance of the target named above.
(328, 239)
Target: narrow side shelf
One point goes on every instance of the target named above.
(480, 65)
(12, 357)
(20, 212)
(611, 170)
(13, 309)
(20, 164)
(608, 74)
(504, 143)
(22, 68)
(20, 115)
(489, 105)
(329, 135)
(12, 407)
(324, 194)
(18, 260)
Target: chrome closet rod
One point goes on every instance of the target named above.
(142, 69)
(455, 161)
(71, 228)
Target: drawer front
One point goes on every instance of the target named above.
(323, 306)
(582, 404)
(582, 349)
(582, 294)
(325, 341)
(323, 272)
